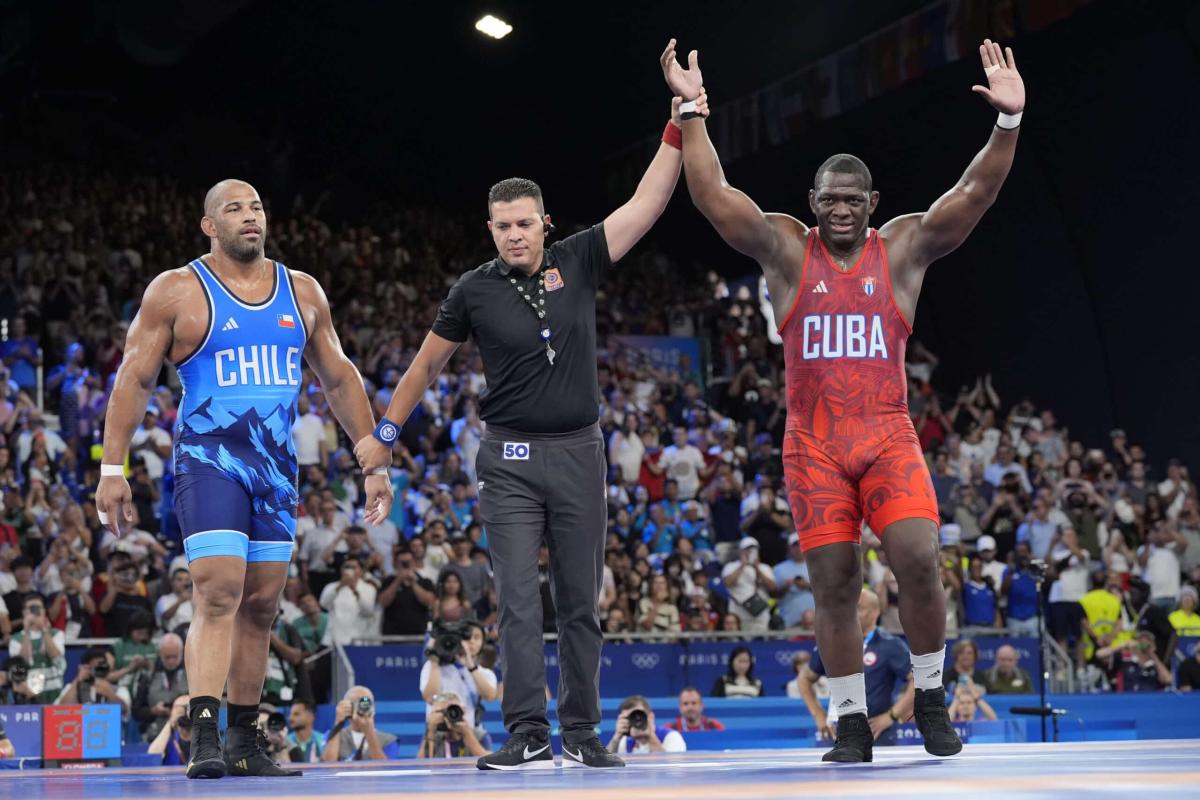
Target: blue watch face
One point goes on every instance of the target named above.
(388, 432)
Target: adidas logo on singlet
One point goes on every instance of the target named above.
(231, 325)
(820, 288)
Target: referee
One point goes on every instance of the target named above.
(541, 465)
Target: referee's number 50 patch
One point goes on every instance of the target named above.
(516, 451)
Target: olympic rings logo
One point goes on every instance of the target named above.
(645, 660)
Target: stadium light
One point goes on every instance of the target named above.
(493, 27)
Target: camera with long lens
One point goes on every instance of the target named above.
(276, 722)
(101, 670)
(363, 706)
(454, 714)
(447, 642)
(638, 719)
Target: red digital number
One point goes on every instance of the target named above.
(62, 733)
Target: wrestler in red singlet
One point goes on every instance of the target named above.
(850, 450)
(846, 294)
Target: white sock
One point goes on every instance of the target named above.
(927, 669)
(848, 695)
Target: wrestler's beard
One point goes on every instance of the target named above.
(239, 249)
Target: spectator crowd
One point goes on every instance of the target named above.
(1100, 537)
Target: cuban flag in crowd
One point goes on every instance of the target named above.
(867, 283)
(286, 321)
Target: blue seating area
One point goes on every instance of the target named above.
(781, 722)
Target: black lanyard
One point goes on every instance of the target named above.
(537, 304)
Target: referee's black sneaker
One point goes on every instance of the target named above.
(854, 740)
(589, 753)
(246, 753)
(521, 751)
(933, 720)
(206, 760)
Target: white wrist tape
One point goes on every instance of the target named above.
(1009, 121)
(112, 470)
(380, 471)
(688, 108)
(103, 517)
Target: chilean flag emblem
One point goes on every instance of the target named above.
(286, 321)
(868, 285)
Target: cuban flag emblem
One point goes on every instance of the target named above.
(286, 321)
(868, 285)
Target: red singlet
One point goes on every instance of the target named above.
(850, 451)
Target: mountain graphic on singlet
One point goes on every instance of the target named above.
(240, 388)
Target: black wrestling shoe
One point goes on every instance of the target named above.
(933, 720)
(206, 760)
(589, 753)
(854, 741)
(246, 754)
(521, 751)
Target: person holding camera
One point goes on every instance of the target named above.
(174, 740)
(354, 736)
(452, 667)
(14, 683)
(42, 647)
(94, 683)
(447, 732)
(273, 726)
(1135, 664)
(157, 690)
(747, 581)
(637, 730)
(350, 603)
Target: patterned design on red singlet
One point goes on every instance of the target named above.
(847, 385)
(849, 450)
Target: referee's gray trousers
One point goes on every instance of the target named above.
(534, 487)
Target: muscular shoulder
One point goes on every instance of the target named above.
(307, 288)
(170, 291)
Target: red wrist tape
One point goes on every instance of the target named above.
(673, 135)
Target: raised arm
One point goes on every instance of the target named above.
(629, 223)
(147, 344)
(916, 240)
(767, 238)
(343, 387)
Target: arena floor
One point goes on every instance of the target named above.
(1156, 768)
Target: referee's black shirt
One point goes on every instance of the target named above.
(524, 391)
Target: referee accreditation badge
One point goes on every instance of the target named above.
(554, 280)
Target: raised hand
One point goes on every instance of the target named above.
(1005, 89)
(685, 83)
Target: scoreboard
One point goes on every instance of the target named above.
(65, 735)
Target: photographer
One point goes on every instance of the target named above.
(638, 732)
(93, 683)
(747, 580)
(452, 668)
(14, 683)
(447, 732)
(43, 648)
(353, 736)
(273, 726)
(174, 741)
(351, 603)
(158, 689)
